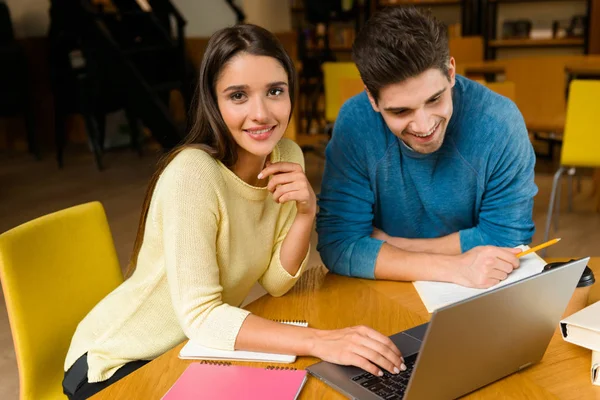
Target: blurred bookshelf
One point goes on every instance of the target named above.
(461, 16)
(527, 42)
(325, 32)
(516, 24)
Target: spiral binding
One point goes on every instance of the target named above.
(221, 363)
(228, 364)
(291, 321)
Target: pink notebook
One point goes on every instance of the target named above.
(214, 381)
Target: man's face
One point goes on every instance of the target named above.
(418, 110)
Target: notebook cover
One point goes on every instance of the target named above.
(225, 382)
(588, 318)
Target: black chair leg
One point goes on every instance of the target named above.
(60, 135)
(101, 121)
(31, 139)
(136, 134)
(93, 135)
(86, 101)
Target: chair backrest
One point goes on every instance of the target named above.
(506, 89)
(54, 270)
(466, 49)
(581, 139)
(541, 90)
(341, 81)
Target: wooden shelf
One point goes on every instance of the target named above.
(400, 3)
(565, 42)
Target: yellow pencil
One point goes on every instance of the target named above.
(538, 247)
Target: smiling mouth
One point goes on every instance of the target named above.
(259, 131)
(427, 134)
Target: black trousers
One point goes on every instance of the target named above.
(76, 385)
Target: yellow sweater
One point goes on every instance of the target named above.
(209, 237)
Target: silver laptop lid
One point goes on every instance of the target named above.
(482, 339)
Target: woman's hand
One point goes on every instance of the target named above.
(360, 346)
(289, 183)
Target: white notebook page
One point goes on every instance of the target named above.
(435, 295)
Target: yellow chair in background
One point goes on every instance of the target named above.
(342, 81)
(581, 147)
(54, 270)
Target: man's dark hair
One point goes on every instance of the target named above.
(398, 43)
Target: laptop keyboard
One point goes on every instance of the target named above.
(388, 386)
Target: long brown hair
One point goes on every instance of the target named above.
(209, 132)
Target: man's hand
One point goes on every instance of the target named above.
(485, 266)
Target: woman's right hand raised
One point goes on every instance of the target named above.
(360, 346)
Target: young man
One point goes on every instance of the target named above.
(428, 176)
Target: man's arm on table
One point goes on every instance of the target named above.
(449, 244)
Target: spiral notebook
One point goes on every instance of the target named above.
(223, 381)
(195, 351)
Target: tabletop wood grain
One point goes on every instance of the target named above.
(329, 301)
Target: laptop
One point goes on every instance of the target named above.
(468, 344)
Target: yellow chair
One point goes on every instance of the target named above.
(54, 270)
(581, 147)
(342, 81)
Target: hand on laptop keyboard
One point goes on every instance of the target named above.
(388, 386)
(360, 346)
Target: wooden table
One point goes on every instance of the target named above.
(586, 67)
(330, 301)
(484, 68)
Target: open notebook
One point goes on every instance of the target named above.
(440, 294)
(224, 382)
(195, 351)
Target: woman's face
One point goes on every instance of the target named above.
(253, 97)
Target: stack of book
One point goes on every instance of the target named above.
(583, 329)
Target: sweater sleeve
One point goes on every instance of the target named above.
(190, 219)
(346, 201)
(276, 280)
(506, 213)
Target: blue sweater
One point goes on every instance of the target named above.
(479, 183)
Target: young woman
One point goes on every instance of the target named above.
(229, 208)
